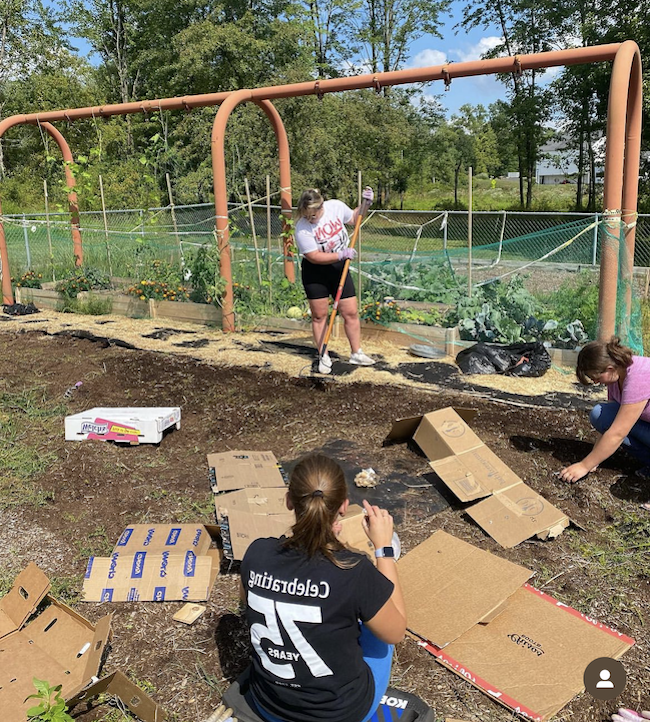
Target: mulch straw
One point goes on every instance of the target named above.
(291, 353)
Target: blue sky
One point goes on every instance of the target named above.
(454, 46)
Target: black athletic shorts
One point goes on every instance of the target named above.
(322, 280)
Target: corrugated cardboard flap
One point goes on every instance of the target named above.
(28, 591)
(404, 429)
(516, 514)
(450, 586)
(234, 470)
(532, 657)
(138, 702)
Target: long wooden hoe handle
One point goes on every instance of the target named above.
(344, 274)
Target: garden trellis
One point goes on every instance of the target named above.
(621, 163)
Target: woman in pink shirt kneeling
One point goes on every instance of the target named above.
(624, 419)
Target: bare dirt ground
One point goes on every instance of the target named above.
(262, 398)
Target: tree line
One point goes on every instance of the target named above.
(399, 138)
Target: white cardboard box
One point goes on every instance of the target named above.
(126, 425)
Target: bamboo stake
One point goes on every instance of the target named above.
(47, 226)
(469, 235)
(252, 220)
(108, 248)
(359, 189)
(269, 264)
(173, 214)
(647, 283)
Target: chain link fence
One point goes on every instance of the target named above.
(502, 243)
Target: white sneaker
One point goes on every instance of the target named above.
(325, 359)
(360, 359)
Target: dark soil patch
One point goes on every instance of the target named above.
(96, 489)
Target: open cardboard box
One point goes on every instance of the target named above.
(156, 563)
(56, 645)
(477, 615)
(510, 511)
(42, 637)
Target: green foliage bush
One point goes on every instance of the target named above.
(83, 279)
(29, 279)
(575, 299)
(381, 312)
(161, 281)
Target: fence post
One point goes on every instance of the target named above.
(29, 256)
(108, 247)
(269, 263)
(47, 226)
(141, 222)
(252, 221)
(173, 214)
(469, 234)
(595, 248)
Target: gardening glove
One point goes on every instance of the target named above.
(368, 195)
(347, 254)
(629, 715)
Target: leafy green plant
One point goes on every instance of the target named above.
(91, 305)
(29, 279)
(83, 279)
(576, 298)
(432, 282)
(51, 706)
(205, 276)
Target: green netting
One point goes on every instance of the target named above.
(417, 256)
(629, 315)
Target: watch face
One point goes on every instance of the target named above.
(385, 552)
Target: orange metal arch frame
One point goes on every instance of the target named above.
(621, 162)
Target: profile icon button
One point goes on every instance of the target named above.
(604, 678)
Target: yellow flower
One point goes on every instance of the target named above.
(142, 298)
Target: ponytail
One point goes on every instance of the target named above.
(596, 356)
(317, 491)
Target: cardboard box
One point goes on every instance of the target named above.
(56, 645)
(511, 511)
(353, 535)
(233, 470)
(477, 615)
(156, 563)
(125, 425)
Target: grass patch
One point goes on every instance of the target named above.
(95, 543)
(23, 415)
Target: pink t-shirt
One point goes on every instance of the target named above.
(636, 386)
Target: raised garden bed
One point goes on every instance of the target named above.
(129, 306)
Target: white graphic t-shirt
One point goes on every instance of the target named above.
(328, 235)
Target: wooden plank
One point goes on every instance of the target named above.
(188, 312)
(40, 297)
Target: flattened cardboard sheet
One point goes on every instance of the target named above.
(449, 586)
(29, 589)
(232, 470)
(156, 563)
(529, 653)
(516, 514)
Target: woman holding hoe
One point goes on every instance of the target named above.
(625, 418)
(322, 240)
(323, 620)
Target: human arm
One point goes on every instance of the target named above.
(627, 416)
(368, 196)
(323, 258)
(389, 623)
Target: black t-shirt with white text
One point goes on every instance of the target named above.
(304, 618)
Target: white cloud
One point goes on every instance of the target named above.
(474, 52)
(428, 57)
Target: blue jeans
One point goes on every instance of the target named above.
(637, 442)
(378, 656)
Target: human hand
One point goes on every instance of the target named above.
(368, 195)
(629, 715)
(378, 525)
(347, 254)
(575, 472)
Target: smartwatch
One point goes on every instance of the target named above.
(387, 552)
